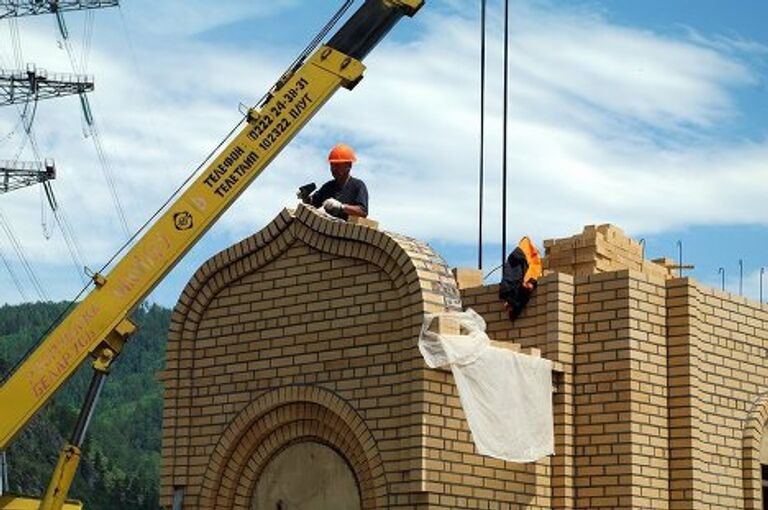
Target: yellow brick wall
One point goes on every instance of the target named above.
(725, 338)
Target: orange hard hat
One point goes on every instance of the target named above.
(342, 153)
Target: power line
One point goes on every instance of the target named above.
(87, 39)
(15, 278)
(22, 258)
(73, 247)
(92, 129)
(34, 84)
(109, 176)
(47, 232)
(16, 42)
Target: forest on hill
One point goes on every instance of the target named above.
(120, 468)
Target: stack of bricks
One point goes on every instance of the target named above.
(599, 249)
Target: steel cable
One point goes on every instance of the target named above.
(482, 136)
(104, 162)
(23, 258)
(15, 279)
(504, 137)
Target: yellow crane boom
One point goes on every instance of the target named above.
(99, 325)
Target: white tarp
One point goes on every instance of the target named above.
(506, 396)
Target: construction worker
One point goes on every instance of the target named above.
(344, 196)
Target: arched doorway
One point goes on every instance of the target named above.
(764, 468)
(755, 455)
(307, 475)
(285, 447)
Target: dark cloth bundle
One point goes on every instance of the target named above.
(512, 288)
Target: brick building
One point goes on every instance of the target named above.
(294, 380)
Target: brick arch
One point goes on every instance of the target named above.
(422, 278)
(420, 281)
(754, 429)
(407, 261)
(281, 418)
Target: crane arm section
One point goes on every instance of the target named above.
(102, 317)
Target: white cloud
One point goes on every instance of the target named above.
(191, 17)
(608, 123)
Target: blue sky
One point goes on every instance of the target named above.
(651, 115)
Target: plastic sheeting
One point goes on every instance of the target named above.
(506, 396)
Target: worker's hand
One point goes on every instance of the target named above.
(333, 206)
(303, 196)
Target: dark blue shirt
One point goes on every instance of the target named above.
(353, 192)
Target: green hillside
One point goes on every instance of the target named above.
(121, 457)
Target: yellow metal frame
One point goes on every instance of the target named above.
(63, 475)
(101, 315)
(411, 6)
(23, 503)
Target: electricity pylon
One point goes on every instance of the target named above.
(34, 84)
(17, 8)
(17, 175)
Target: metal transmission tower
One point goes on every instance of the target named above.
(17, 175)
(17, 8)
(19, 87)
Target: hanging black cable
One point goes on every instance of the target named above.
(482, 136)
(314, 43)
(504, 137)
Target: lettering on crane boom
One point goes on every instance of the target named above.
(227, 173)
(266, 130)
(56, 359)
(154, 254)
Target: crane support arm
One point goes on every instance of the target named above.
(102, 317)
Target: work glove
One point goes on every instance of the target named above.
(333, 206)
